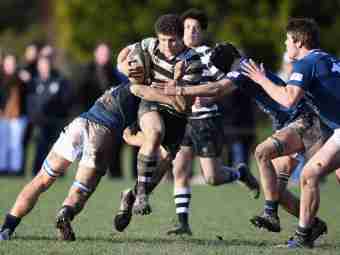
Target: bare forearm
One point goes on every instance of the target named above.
(282, 95)
(215, 89)
(150, 94)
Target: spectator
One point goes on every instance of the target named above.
(98, 76)
(13, 119)
(29, 68)
(48, 104)
(239, 127)
(27, 72)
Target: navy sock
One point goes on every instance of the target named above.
(271, 207)
(11, 222)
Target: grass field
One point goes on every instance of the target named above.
(216, 212)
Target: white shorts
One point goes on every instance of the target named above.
(86, 141)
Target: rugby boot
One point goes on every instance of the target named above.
(123, 217)
(180, 229)
(5, 234)
(63, 224)
(319, 228)
(267, 221)
(300, 241)
(141, 205)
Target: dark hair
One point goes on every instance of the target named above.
(304, 30)
(196, 14)
(223, 56)
(169, 24)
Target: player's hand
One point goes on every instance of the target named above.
(167, 88)
(179, 70)
(253, 71)
(135, 72)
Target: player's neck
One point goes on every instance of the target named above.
(304, 52)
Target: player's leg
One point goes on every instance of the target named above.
(182, 191)
(54, 165)
(64, 151)
(127, 197)
(305, 132)
(325, 161)
(152, 126)
(84, 185)
(97, 148)
(284, 166)
(207, 140)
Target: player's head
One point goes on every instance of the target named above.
(223, 56)
(195, 22)
(302, 33)
(169, 30)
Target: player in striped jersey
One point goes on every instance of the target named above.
(203, 136)
(161, 123)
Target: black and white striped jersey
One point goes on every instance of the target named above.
(210, 73)
(163, 69)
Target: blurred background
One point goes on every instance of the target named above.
(58, 56)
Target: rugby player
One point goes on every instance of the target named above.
(160, 123)
(88, 138)
(203, 136)
(300, 123)
(315, 76)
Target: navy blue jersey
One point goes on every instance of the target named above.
(279, 114)
(116, 108)
(318, 74)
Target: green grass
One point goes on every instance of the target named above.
(221, 211)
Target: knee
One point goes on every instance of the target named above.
(262, 152)
(309, 179)
(44, 182)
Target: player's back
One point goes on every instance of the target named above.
(319, 75)
(116, 108)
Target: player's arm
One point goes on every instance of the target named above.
(137, 139)
(155, 95)
(212, 89)
(287, 96)
(122, 60)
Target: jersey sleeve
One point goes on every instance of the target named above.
(302, 74)
(193, 72)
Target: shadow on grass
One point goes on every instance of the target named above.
(123, 239)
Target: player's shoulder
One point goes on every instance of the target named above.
(313, 58)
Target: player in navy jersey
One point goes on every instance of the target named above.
(302, 132)
(88, 138)
(315, 76)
